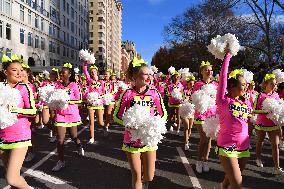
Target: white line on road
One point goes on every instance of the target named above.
(188, 168)
(43, 177)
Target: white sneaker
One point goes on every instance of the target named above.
(59, 165)
(87, 118)
(107, 129)
(278, 171)
(30, 156)
(52, 139)
(171, 129)
(50, 134)
(259, 163)
(199, 166)
(186, 147)
(91, 141)
(177, 132)
(175, 125)
(41, 126)
(81, 151)
(205, 166)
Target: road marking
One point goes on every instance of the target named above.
(188, 168)
(43, 177)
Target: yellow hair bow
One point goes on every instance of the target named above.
(176, 73)
(67, 65)
(252, 83)
(94, 67)
(15, 57)
(138, 62)
(113, 74)
(55, 70)
(83, 77)
(190, 78)
(236, 72)
(26, 66)
(109, 70)
(203, 63)
(269, 76)
(6, 59)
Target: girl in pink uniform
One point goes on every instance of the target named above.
(233, 139)
(188, 122)
(173, 103)
(15, 140)
(265, 125)
(70, 117)
(95, 85)
(110, 88)
(204, 145)
(139, 156)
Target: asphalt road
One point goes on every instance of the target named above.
(105, 165)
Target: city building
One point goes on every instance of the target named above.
(128, 52)
(106, 33)
(45, 33)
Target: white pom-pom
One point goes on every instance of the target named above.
(58, 99)
(45, 91)
(7, 118)
(279, 75)
(211, 127)
(154, 69)
(45, 73)
(123, 85)
(76, 70)
(87, 57)
(219, 44)
(171, 70)
(176, 94)
(108, 98)
(202, 101)
(275, 109)
(159, 74)
(248, 75)
(210, 89)
(136, 116)
(9, 96)
(187, 110)
(94, 99)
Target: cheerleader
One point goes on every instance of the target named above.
(95, 85)
(110, 89)
(26, 78)
(204, 141)
(265, 125)
(173, 103)
(233, 139)
(16, 139)
(188, 122)
(70, 117)
(161, 85)
(141, 158)
(47, 114)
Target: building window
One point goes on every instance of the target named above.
(72, 27)
(22, 13)
(1, 28)
(42, 43)
(36, 21)
(72, 54)
(8, 31)
(67, 23)
(43, 62)
(58, 49)
(30, 39)
(22, 36)
(50, 46)
(64, 5)
(64, 23)
(67, 8)
(7, 6)
(64, 51)
(42, 24)
(29, 17)
(72, 13)
(36, 41)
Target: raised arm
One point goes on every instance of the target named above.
(221, 91)
(86, 73)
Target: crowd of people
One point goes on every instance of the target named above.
(236, 101)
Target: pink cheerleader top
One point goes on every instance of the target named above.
(171, 87)
(261, 117)
(151, 98)
(20, 131)
(234, 114)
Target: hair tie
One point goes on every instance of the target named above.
(269, 76)
(234, 73)
(68, 65)
(203, 63)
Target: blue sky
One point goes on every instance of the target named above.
(144, 20)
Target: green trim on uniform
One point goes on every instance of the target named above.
(96, 107)
(74, 124)
(15, 145)
(174, 106)
(138, 150)
(199, 122)
(266, 128)
(232, 154)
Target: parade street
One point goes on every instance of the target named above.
(105, 165)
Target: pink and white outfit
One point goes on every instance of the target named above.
(233, 137)
(174, 103)
(19, 134)
(152, 99)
